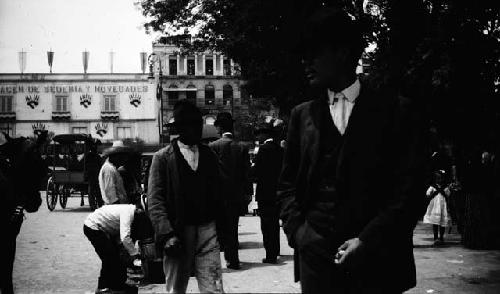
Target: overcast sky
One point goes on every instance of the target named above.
(69, 27)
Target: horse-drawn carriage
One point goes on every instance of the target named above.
(69, 171)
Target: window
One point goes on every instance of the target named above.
(172, 67)
(191, 94)
(110, 103)
(209, 67)
(173, 95)
(217, 62)
(190, 67)
(61, 103)
(7, 128)
(227, 95)
(5, 104)
(209, 95)
(227, 67)
(80, 130)
(123, 132)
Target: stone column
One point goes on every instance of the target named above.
(178, 57)
(203, 64)
(196, 64)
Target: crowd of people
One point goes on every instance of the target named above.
(349, 187)
(196, 194)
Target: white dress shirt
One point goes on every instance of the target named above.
(111, 184)
(116, 221)
(190, 153)
(342, 103)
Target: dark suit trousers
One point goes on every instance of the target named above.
(113, 271)
(228, 233)
(270, 227)
(319, 273)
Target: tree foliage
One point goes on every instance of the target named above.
(443, 52)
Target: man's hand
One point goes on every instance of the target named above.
(172, 247)
(349, 253)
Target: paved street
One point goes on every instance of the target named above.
(54, 256)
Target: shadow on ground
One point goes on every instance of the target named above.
(250, 245)
(79, 209)
(251, 265)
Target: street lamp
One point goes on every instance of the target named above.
(152, 58)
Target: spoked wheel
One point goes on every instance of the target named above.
(63, 198)
(51, 194)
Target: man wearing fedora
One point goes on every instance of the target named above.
(183, 201)
(267, 169)
(235, 166)
(352, 185)
(110, 180)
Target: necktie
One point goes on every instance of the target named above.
(339, 102)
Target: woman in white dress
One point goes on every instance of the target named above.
(437, 211)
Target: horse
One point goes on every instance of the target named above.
(22, 170)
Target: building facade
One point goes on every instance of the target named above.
(210, 80)
(107, 106)
(118, 106)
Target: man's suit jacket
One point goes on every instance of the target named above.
(380, 176)
(235, 166)
(166, 205)
(267, 170)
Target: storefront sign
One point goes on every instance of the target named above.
(67, 89)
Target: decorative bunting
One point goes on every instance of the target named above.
(85, 100)
(101, 129)
(32, 100)
(135, 99)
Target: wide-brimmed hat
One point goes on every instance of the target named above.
(223, 118)
(116, 148)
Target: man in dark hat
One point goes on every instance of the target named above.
(183, 201)
(267, 169)
(352, 185)
(236, 186)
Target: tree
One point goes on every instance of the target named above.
(443, 52)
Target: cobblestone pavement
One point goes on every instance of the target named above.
(53, 256)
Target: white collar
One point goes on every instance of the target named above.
(268, 140)
(350, 93)
(227, 134)
(184, 146)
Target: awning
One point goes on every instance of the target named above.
(179, 89)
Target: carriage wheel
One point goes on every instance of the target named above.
(63, 198)
(51, 194)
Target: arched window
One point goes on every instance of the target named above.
(227, 95)
(209, 95)
(173, 95)
(191, 93)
